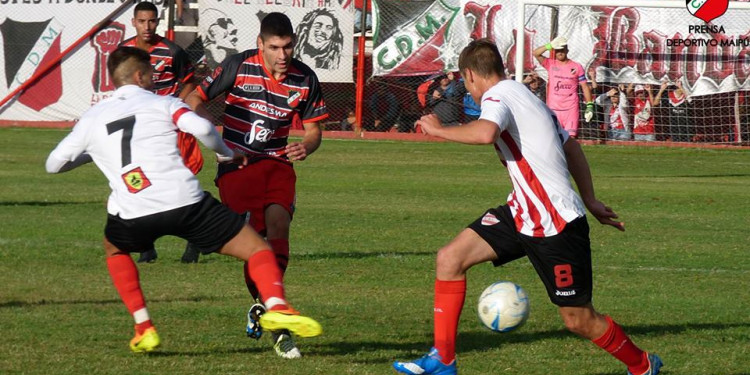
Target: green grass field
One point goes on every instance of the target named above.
(370, 218)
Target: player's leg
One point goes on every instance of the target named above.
(125, 278)
(265, 273)
(148, 256)
(563, 262)
(569, 120)
(453, 260)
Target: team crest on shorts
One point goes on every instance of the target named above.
(489, 220)
(293, 99)
(135, 180)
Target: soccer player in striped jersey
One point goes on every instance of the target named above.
(544, 218)
(267, 91)
(173, 75)
(132, 138)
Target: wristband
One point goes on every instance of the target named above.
(548, 46)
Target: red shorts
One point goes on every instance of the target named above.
(257, 186)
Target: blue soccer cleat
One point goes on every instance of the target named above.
(430, 364)
(654, 364)
(253, 328)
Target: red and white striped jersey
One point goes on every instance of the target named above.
(259, 109)
(172, 66)
(530, 144)
(132, 138)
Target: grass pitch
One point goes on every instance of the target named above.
(370, 218)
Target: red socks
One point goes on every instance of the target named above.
(280, 248)
(266, 275)
(125, 277)
(449, 301)
(617, 343)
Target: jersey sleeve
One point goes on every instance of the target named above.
(581, 74)
(315, 106)
(221, 79)
(189, 122)
(494, 110)
(69, 149)
(547, 63)
(183, 69)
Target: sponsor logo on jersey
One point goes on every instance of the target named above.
(293, 99)
(258, 133)
(251, 88)
(135, 180)
(214, 74)
(489, 219)
(267, 109)
(565, 293)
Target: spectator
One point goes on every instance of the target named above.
(643, 121)
(384, 109)
(615, 105)
(536, 85)
(564, 78)
(349, 123)
(676, 105)
(411, 112)
(446, 100)
(358, 4)
(472, 110)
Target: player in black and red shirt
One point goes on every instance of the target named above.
(267, 91)
(173, 74)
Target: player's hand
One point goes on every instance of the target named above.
(604, 214)
(237, 158)
(559, 42)
(296, 151)
(430, 124)
(589, 113)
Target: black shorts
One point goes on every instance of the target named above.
(563, 261)
(208, 225)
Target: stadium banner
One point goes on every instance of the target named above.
(618, 44)
(35, 32)
(323, 27)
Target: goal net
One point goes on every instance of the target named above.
(693, 58)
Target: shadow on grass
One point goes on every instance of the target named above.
(361, 255)
(478, 341)
(44, 302)
(213, 351)
(45, 204)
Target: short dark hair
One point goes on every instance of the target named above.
(276, 24)
(142, 61)
(482, 57)
(145, 6)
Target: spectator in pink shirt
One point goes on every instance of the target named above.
(564, 78)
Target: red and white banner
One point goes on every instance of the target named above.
(620, 44)
(33, 33)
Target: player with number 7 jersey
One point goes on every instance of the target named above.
(131, 137)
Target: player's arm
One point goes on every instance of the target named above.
(310, 142)
(538, 52)
(578, 167)
(70, 152)
(187, 88)
(479, 132)
(189, 122)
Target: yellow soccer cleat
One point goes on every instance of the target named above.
(145, 342)
(301, 326)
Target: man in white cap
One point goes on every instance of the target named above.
(564, 77)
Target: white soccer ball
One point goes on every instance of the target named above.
(503, 306)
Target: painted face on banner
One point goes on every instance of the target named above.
(322, 30)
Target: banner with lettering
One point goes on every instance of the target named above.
(616, 44)
(324, 31)
(34, 32)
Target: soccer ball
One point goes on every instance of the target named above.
(503, 306)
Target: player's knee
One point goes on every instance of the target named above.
(578, 320)
(449, 262)
(278, 228)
